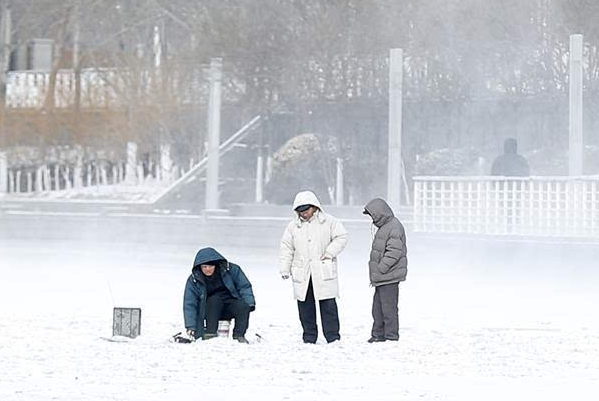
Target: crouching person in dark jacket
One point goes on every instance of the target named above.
(216, 290)
(388, 266)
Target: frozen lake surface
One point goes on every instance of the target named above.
(470, 329)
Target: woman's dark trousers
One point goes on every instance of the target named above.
(328, 315)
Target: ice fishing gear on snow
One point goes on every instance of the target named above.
(179, 338)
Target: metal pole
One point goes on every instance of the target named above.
(5, 43)
(260, 170)
(395, 116)
(259, 178)
(213, 133)
(76, 55)
(575, 154)
(339, 190)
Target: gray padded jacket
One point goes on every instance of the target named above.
(388, 256)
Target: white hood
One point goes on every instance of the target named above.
(306, 198)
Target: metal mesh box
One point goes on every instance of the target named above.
(126, 322)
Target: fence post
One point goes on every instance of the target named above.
(104, 174)
(56, 177)
(3, 174)
(140, 174)
(166, 163)
(18, 182)
(77, 178)
(29, 181)
(11, 181)
(47, 181)
(98, 167)
(66, 174)
(88, 178)
(115, 174)
(38, 179)
(259, 193)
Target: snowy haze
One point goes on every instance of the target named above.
(478, 320)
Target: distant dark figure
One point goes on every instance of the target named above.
(510, 163)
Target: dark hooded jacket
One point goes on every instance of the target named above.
(388, 256)
(194, 299)
(510, 164)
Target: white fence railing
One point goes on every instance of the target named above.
(60, 176)
(103, 87)
(531, 206)
(99, 88)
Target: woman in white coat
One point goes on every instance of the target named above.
(309, 249)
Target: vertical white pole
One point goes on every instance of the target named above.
(339, 189)
(395, 116)
(38, 179)
(29, 180)
(157, 47)
(5, 43)
(3, 174)
(260, 169)
(98, 168)
(166, 162)
(259, 178)
(576, 129)
(213, 133)
(56, 178)
(131, 166)
(47, 181)
(104, 174)
(18, 187)
(88, 179)
(140, 174)
(78, 173)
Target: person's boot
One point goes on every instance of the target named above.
(374, 339)
(241, 339)
(209, 336)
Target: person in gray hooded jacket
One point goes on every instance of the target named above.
(388, 266)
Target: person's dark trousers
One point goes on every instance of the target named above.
(384, 312)
(225, 308)
(328, 314)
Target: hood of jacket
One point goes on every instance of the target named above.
(380, 211)
(306, 198)
(206, 255)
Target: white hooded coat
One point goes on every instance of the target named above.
(303, 245)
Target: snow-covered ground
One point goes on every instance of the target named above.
(468, 331)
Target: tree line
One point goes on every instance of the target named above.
(474, 71)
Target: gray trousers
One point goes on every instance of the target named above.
(384, 312)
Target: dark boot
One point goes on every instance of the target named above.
(241, 339)
(377, 339)
(209, 336)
